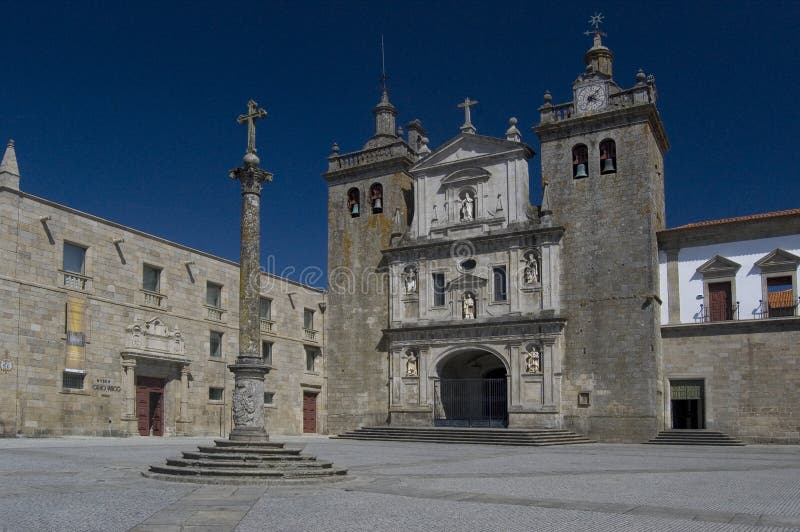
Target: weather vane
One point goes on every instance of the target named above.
(595, 21)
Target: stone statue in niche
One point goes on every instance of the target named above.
(412, 364)
(410, 279)
(244, 403)
(533, 360)
(531, 271)
(469, 306)
(467, 208)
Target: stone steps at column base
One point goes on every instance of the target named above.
(518, 437)
(694, 437)
(239, 462)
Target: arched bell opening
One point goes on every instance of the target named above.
(471, 391)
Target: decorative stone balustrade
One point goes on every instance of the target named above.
(310, 334)
(267, 326)
(637, 95)
(153, 299)
(374, 155)
(75, 281)
(215, 313)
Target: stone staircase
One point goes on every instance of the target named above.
(237, 462)
(693, 437)
(526, 437)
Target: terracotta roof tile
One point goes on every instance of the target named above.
(782, 299)
(761, 216)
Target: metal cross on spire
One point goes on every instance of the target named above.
(254, 112)
(595, 21)
(466, 104)
(383, 66)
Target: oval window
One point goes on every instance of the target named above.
(468, 265)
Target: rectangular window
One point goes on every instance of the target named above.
(72, 380)
(269, 398)
(780, 296)
(74, 258)
(213, 294)
(151, 278)
(215, 344)
(265, 308)
(215, 394)
(311, 359)
(499, 276)
(438, 289)
(266, 352)
(308, 319)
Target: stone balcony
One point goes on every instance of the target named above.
(75, 281)
(346, 161)
(215, 313)
(310, 334)
(267, 326)
(153, 299)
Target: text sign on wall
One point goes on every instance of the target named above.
(105, 385)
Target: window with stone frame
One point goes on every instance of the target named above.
(438, 289)
(376, 198)
(266, 352)
(213, 294)
(500, 283)
(354, 202)
(719, 301)
(74, 258)
(580, 161)
(215, 393)
(215, 344)
(265, 308)
(311, 359)
(151, 278)
(308, 319)
(72, 380)
(269, 398)
(608, 157)
(779, 284)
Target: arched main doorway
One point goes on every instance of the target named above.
(471, 391)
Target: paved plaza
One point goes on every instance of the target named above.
(95, 484)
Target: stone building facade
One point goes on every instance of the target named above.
(484, 310)
(107, 330)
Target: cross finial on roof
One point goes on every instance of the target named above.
(595, 21)
(254, 112)
(466, 104)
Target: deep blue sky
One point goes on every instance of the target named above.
(127, 111)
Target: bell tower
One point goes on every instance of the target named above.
(370, 202)
(603, 173)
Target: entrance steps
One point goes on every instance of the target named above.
(694, 437)
(235, 462)
(526, 437)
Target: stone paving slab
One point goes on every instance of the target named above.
(96, 484)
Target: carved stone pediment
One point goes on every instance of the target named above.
(466, 175)
(778, 261)
(469, 146)
(155, 338)
(465, 282)
(719, 267)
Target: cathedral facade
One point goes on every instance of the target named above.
(474, 308)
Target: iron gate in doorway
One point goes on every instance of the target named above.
(470, 403)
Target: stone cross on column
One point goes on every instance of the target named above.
(249, 369)
(466, 104)
(254, 112)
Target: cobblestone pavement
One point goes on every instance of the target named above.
(95, 484)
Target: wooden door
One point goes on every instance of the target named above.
(150, 406)
(719, 295)
(309, 412)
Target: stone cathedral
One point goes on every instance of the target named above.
(452, 301)
(455, 302)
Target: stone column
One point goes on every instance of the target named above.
(129, 395)
(249, 369)
(183, 414)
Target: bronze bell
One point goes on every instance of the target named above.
(580, 171)
(608, 166)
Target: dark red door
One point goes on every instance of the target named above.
(309, 412)
(150, 406)
(719, 295)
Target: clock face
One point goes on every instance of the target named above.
(591, 97)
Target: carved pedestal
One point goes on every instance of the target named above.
(248, 400)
